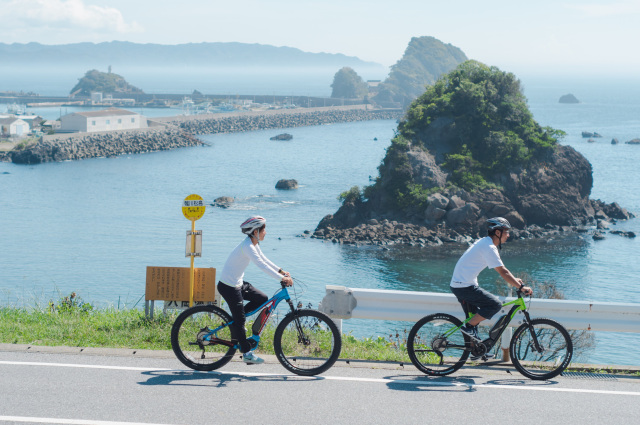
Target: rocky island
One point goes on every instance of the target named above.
(469, 149)
(568, 98)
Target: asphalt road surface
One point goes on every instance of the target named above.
(109, 387)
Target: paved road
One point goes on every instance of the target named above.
(104, 387)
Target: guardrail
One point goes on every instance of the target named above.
(341, 302)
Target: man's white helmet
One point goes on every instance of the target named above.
(498, 223)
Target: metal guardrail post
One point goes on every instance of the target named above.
(506, 338)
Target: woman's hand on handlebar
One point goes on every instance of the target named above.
(287, 281)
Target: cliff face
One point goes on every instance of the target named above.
(423, 62)
(467, 150)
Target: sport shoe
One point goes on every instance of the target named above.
(472, 332)
(485, 357)
(250, 358)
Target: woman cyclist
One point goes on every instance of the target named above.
(235, 290)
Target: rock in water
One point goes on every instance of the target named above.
(283, 136)
(287, 184)
(568, 98)
(223, 202)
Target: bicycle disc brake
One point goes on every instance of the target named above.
(439, 344)
(204, 332)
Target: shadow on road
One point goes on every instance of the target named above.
(458, 383)
(216, 379)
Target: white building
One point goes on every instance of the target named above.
(105, 120)
(96, 97)
(13, 126)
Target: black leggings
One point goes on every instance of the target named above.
(235, 298)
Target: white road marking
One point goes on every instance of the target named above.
(418, 382)
(67, 421)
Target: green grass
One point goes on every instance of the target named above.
(73, 323)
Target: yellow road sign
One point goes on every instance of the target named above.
(193, 207)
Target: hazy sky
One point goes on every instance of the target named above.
(541, 36)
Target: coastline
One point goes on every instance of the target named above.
(180, 131)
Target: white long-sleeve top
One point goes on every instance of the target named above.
(233, 271)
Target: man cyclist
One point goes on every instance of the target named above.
(235, 290)
(464, 282)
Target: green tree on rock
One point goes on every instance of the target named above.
(96, 81)
(348, 84)
(476, 123)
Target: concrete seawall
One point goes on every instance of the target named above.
(180, 131)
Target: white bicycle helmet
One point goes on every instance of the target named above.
(251, 224)
(498, 223)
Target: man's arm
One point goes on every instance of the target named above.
(512, 280)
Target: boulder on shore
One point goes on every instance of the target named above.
(633, 142)
(287, 184)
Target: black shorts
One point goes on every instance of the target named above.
(476, 300)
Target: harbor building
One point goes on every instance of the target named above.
(14, 127)
(104, 120)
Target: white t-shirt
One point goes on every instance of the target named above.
(482, 254)
(233, 271)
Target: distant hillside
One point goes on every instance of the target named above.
(126, 53)
(423, 62)
(102, 82)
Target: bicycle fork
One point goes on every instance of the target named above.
(301, 336)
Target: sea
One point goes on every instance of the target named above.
(93, 226)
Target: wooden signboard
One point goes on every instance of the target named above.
(172, 284)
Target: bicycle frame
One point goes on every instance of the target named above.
(281, 295)
(517, 305)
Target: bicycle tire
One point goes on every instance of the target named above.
(190, 348)
(433, 353)
(313, 352)
(556, 349)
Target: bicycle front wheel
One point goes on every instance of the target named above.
(436, 347)
(195, 335)
(541, 349)
(307, 342)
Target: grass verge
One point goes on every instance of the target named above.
(73, 323)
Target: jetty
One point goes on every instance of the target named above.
(180, 131)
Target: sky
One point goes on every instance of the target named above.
(587, 37)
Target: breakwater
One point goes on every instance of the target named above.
(263, 120)
(180, 131)
(105, 144)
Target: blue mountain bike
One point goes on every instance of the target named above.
(306, 342)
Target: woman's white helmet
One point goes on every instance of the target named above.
(251, 224)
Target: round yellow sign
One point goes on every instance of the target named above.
(193, 207)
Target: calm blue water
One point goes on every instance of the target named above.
(93, 226)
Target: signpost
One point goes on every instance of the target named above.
(193, 209)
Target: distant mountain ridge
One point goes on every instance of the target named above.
(219, 54)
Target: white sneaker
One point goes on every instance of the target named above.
(250, 358)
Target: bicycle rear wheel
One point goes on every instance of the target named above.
(193, 342)
(307, 342)
(546, 359)
(435, 351)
